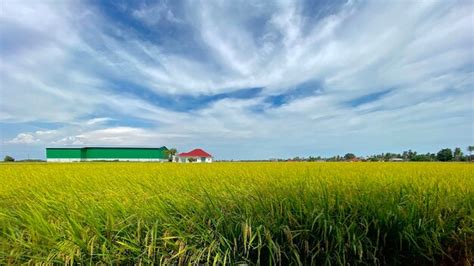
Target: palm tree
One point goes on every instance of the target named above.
(171, 152)
(470, 149)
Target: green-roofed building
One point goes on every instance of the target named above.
(85, 154)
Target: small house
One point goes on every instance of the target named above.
(194, 156)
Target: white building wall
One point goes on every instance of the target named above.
(198, 159)
(63, 160)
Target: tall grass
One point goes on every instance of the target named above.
(264, 213)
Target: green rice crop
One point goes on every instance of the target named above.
(230, 213)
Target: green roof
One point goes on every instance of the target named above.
(106, 153)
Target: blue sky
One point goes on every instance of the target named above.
(240, 79)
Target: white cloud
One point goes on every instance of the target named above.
(71, 69)
(23, 138)
(98, 120)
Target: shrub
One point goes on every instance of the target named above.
(8, 159)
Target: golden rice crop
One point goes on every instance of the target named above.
(264, 213)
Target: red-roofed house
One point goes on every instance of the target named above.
(194, 156)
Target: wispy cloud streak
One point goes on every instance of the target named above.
(284, 77)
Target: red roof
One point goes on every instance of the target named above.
(195, 153)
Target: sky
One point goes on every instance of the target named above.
(240, 79)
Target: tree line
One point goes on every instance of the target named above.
(443, 155)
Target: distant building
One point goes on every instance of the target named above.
(194, 156)
(395, 160)
(85, 154)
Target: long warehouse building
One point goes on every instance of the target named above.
(85, 154)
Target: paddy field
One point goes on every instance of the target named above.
(228, 213)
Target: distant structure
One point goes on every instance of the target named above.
(194, 156)
(86, 154)
(395, 160)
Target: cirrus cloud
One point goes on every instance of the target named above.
(245, 79)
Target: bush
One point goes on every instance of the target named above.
(8, 159)
(349, 156)
(445, 155)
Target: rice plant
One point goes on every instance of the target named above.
(230, 213)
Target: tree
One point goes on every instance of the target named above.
(470, 149)
(457, 154)
(8, 158)
(422, 158)
(349, 156)
(405, 155)
(387, 156)
(296, 159)
(170, 153)
(408, 155)
(445, 155)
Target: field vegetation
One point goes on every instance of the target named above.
(255, 213)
